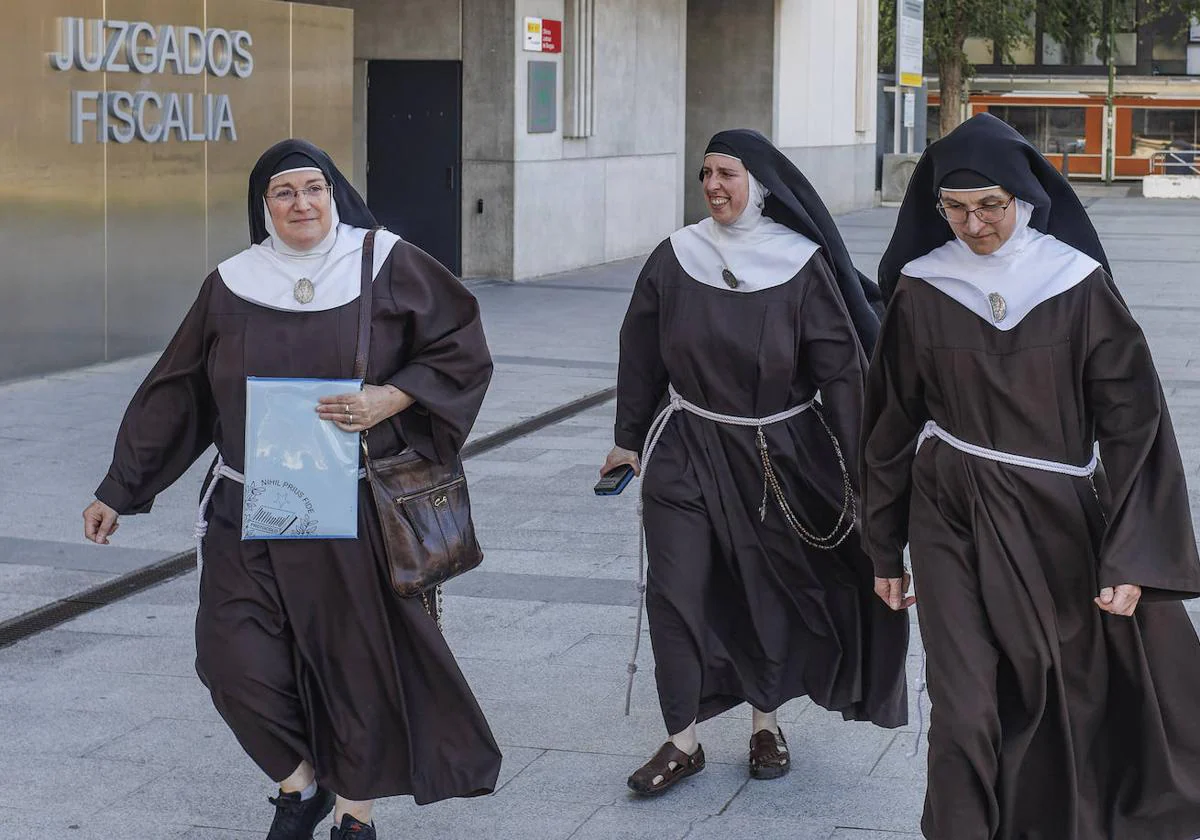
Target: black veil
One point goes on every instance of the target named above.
(991, 147)
(794, 203)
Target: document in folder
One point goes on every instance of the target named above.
(301, 471)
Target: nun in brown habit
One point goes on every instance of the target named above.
(757, 589)
(331, 683)
(1063, 669)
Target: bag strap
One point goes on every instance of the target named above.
(364, 306)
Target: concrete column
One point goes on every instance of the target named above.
(730, 79)
(824, 67)
(489, 107)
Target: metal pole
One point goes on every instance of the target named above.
(1109, 110)
(897, 116)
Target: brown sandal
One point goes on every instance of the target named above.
(671, 764)
(768, 755)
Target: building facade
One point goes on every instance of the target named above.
(509, 138)
(1056, 95)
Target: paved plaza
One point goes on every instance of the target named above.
(106, 733)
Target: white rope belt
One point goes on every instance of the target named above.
(677, 403)
(220, 470)
(932, 429)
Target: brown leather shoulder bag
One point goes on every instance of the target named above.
(423, 507)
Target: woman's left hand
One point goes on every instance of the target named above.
(365, 409)
(1120, 600)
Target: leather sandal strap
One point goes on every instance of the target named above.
(767, 747)
(660, 765)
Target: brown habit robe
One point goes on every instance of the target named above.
(741, 610)
(307, 653)
(1051, 719)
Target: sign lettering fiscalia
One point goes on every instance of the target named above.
(117, 46)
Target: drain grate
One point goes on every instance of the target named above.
(58, 612)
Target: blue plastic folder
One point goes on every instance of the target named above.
(301, 471)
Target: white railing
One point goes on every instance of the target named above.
(1175, 163)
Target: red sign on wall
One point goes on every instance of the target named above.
(551, 35)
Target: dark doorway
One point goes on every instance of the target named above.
(414, 153)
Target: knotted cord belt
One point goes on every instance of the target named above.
(771, 486)
(933, 430)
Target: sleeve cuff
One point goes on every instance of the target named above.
(113, 494)
(889, 567)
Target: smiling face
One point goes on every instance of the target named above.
(726, 187)
(982, 237)
(304, 220)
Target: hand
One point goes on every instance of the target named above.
(99, 522)
(1122, 600)
(619, 456)
(365, 409)
(891, 591)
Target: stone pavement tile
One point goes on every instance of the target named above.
(207, 746)
(491, 817)
(69, 788)
(22, 825)
(182, 591)
(12, 605)
(598, 522)
(820, 740)
(197, 796)
(571, 564)
(561, 776)
(126, 619)
(536, 682)
(558, 540)
(843, 797)
(151, 694)
(25, 579)
(599, 650)
(47, 650)
(515, 760)
(209, 833)
(467, 615)
(898, 762)
(507, 645)
(730, 826)
(592, 729)
(38, 731)
(860, 834)
(554, 619)
(616, 822)
(154, 655)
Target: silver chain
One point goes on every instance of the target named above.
(849, 512)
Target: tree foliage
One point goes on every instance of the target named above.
(1076, 24)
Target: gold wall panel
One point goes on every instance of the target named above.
(322, 82)
(52, 313)
(106, 243)
(156, 203)
(261, 104)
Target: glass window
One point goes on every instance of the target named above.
(979, 50)
(1088, 51)
(933, 124)
(1165, 129)
(1051, 129)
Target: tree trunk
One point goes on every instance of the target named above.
(951, 84)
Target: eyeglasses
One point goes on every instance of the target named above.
(313, 194)
(988, 215)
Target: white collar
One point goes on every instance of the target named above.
(759, 252)
(1002, 288)
(267, 274)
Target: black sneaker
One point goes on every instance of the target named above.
(352, 829)
(296, 819)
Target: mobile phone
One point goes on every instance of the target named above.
(614, 481)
